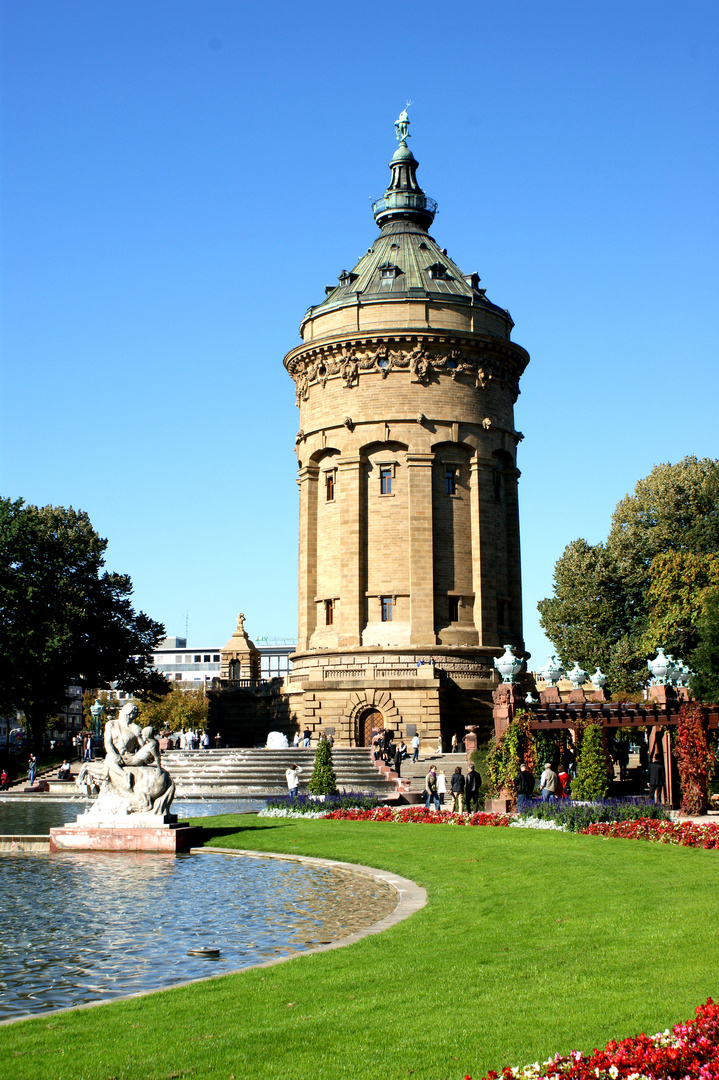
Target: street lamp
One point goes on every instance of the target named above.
(97, 710)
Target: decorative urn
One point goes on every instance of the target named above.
(598, 679)
(577, 676)
(659, 668)
(552, 671)
(508, 665)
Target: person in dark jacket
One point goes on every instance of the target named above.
(656, 779)
(472, 784)
(398, 760)
(525, 787)
(430, 786)
(458, 783)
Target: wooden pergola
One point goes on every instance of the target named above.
(659, 713)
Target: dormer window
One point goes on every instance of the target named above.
(388, 271)
(346, 278)
(473, 281)
(437, 271)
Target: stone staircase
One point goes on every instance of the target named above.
(237, 771)
(415, 774)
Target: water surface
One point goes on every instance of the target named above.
(89, 926)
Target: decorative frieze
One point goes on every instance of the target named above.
(425, 358)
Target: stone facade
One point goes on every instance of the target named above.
(409, 560)
(409, 581)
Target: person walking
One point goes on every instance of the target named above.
(397, 762)
(454, 743)
(548, 783)
(32, 769)
(415, 748)
(430, 786)
(525, 787)
(218, 741)
(4, 781)
(564, 790)
(293, 780)
(472, 784)
(441, 786)
(458, 785)
(656, 779)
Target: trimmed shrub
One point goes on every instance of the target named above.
(323, 780)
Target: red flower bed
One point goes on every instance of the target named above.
(686, 833)
(689, 1052)
(417, 815)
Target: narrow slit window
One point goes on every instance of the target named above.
(330, 486)
(329, 612)
(385, 480)
(386, 608)
(450, 481)
(454, 609)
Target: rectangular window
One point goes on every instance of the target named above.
(329, 612)
(330, 486)
(385, 480)
(386, 602)
(454, 609)
(206, 659)
(450, 480)
(197, 659)
(216, 658)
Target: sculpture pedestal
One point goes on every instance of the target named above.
(172, 837)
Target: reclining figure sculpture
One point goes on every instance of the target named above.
(131, 779)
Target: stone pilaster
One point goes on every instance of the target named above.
(421, 566)
(352, 529)
(307, 479)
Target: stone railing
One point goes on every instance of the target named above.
(343, 672)
(396, 672)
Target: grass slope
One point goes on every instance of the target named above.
(530, 943)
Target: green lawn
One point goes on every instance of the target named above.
(531, 942)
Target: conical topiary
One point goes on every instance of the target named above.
(592, 781)
(323, 780)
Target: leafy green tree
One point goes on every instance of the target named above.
(613, 601)
(323, 780)
(63, 619)
(705, 658)
(177, 710)
(592, 780)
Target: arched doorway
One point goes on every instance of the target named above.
(235, 669)
(369, 721)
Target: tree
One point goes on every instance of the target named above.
(612, 601)
(695, 759)
(592, 780)
(705, 658)
(62, 618)
(177, 710)
(323, 780)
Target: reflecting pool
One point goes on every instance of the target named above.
(37, 814)
(81, 927)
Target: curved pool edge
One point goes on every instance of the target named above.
(411, 898)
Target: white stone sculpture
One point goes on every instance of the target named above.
(598, 679)
(552, 671)
(577, 676)
(508, 665)
(134, 789)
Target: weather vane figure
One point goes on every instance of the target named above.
(402, 126)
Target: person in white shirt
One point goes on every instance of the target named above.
(293, 780)
(415, 748)
(296, 740)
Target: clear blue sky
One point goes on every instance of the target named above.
(180, 180)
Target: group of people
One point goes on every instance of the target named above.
(393, 754)
(464, 789)
(553, 785)
(305, 739)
